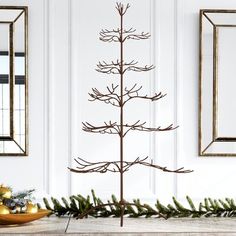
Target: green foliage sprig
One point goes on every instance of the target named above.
(26, 194)
(77, 205)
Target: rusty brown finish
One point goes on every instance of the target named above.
(118, 96)
(114, 166)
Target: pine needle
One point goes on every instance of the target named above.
(78, 204)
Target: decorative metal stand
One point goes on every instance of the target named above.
(118, 96)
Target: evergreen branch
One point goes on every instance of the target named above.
(27, 194)
(79, 206)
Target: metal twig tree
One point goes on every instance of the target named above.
(118, 96)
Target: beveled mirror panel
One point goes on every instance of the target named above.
(217, 93)
(13, 81)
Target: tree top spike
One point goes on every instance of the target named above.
(121, 8)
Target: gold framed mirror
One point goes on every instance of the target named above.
(13, 81)
(217, 71)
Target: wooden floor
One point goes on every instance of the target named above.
(110, 226)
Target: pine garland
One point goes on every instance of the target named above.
(77, 205)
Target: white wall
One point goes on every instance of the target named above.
(63, 51)
(28, 172)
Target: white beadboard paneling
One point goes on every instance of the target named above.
(154, 27)
(70, 96)
(46, 155)
(178, 86)
(165, 113)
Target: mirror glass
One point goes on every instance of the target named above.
(217, 110)
(13, 81)
(4, 81)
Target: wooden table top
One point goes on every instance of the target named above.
(140, 226)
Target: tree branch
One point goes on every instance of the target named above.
(114, 166)
(137, 36)
(114, 128)
(138, 126)
(139, 68)
(134, 93)
(110, 35)
(114, 67)
(114, 35)
(110, 98)
(108, 68)
(107, 128)
(90, 167)
(121, 8)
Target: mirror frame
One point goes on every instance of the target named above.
(201, 151)
(12, 54)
